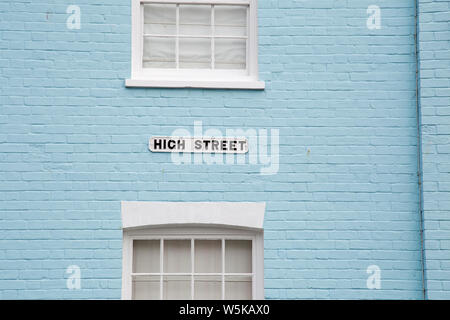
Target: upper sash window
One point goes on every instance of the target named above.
(195, 43)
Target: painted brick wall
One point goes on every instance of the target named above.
(73, 144)
(434, 40)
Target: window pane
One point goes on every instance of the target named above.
(238, 287)
(238, 256)
(177, 287)
(195, 53)
(208, 256)
(230, 20)
(146, 287)
(159, 52)
(230, 53)
(160, 19)
(207, 288)
(177, 256)
(195, 20)
(145, 256)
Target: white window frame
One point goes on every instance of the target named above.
(194, 78)
(194, 220)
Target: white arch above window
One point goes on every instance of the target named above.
(137, 214)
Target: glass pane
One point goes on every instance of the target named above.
(195, 53)
(195, 20)
(230, 31)
(230, 53)
(159, 52)
(177, 256)
(146, 256)
(177, 287)
(238, 287)
(207, 288)
(230, 20)
(208, 256)
(238, 256)
(146, 287)
(160, 19)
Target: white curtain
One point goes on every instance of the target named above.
(146, 260)
(160, 36)
(208, 259)
(177, 258)
(238, 259)
(146, 256)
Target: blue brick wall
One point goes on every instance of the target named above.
(434, 45)
(73, 144)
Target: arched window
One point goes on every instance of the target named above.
(192, 250)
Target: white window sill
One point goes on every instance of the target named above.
(206, 84)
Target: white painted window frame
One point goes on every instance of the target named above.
(194, 78)
(164, 220)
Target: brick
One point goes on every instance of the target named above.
(73, 144)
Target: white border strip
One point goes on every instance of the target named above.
(236, 214)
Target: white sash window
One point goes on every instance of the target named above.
(192, 251)
(195, 267)
(195, 43)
